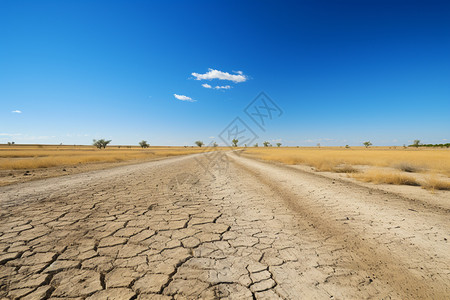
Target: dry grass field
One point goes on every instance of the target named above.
(377, 164)
(21, 163)
(19, 157)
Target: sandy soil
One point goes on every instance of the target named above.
(204, 226)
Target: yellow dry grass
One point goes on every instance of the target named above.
(40, 156)
(433, 182)
(333, 158)
(387, 177)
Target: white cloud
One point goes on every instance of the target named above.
(17, 111)
(184, 98)
(216, 74)
(223, 87)
(211, 137)
(205, 85)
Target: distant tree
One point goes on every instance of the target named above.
(255, 145)
(318, 145)
(404, 146)
(144, 144)
(9, 143)
(235, 142)
(245, 145)
(416, 143)
(199, 143)
(278, 144)
(367, 144)
(266, 144)
(215, 144)
(347, 146)
(102, 143)
(12, 143)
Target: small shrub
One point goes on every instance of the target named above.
(407, 167)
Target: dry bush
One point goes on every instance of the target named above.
(407, 167)
(432, 182)
(377, 176)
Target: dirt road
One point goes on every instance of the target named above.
(186, 228)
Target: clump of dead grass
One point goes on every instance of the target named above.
(345, 168)
(386, 177)
(407, 167)
(433, 182)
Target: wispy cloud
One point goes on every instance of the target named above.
(184, 98)
(216, 74)
(10, 134)
(217, 87)
(16, 111)
(222, 87)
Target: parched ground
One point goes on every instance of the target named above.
(211, 226)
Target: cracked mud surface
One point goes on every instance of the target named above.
(169, 230)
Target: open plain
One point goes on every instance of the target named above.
(221, 225)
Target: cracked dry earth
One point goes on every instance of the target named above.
(242, 230)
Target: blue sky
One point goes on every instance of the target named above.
(342, 72)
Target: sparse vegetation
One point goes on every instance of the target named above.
(255, 145)
(330, 158)
(199, 143)
(144, 144)
(267, 144)
(102, 143)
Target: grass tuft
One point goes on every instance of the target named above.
(345, 169)
(379, 177)
(432, 182)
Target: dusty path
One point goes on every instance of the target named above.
(243, 230)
